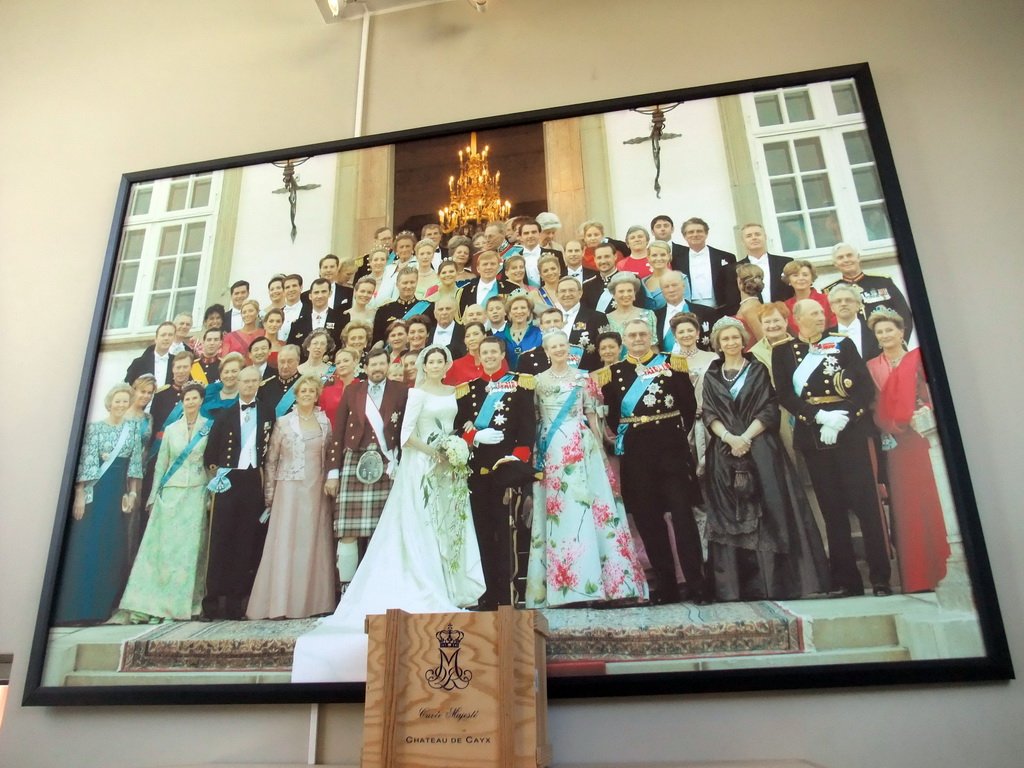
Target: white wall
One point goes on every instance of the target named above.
(694, 172)
(90, 90)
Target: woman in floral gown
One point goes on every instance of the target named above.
(581, 550)
(168, 578)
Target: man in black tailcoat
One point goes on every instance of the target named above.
(498, 419)
(581, 324)
(775, 289)
(651, 404)
(235, 452)
(318, 314)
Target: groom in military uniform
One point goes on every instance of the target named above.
(499, 422)
(651, 405)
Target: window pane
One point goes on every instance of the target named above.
(163, 275)
(785, 196)
(143, 196)
(798, 106)
(867, 184)
(201, 193)
(188, 272)
(817, 191)
(127, 275)
(158, 306)
(845, 97)
(776, 157)
(184, 302)
(194, 237)
(825, 227)
(131, 245)
(876, 222)
(809, 156)
(793, 233)
(858, 148)
(177, 198)
(768, 110)
(169, 238)
(120, 309)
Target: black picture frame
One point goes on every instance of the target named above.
(992, 664)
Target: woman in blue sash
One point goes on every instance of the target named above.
(318, 346)
(581, 550)
(520, 334)
(168, 579)
(545, 297)
(107, 487)
(763, 543)
(223, 393)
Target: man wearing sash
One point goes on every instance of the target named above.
(499, 422)
(234, 455)
(876, 290)
(206, 369)
(277, 392)
(486, 286)
(496, 241)
(673, 288)
(825, 384)
(362, 458)
(406, 305)
(595, 292)
(533, 251)
(651, 405)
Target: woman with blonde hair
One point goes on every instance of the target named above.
(239, 341)
(750, 281)
(295, 578)
(224, 392)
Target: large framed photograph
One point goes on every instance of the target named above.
(686, 342)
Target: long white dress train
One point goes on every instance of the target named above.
(422, 558)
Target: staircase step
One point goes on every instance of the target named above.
(848, 632)
(97, 656)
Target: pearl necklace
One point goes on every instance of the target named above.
(567, 374)
(738, 372)
(689, 352)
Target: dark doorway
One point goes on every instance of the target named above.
(422, 169)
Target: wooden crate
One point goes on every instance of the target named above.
(456, 690)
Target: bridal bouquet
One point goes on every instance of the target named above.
(455, 451)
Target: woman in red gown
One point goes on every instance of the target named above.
(918, 527)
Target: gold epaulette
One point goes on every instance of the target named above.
(165, 386)
(461, 390)
(603, 375)
(526, 381)
(266, 380)
(679, 363)
(782, 341)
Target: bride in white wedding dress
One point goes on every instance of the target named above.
(423, 557)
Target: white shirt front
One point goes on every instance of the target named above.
(160, 363)
(762, 262)
(532, 271)
(291, 314)
(236, 319)
(853, 330)
(570, 318)
(577, 273)
(319, 318)
(483, 291)
(702, 287)
(443, 336)
(670, 312)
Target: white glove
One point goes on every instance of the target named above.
(837, 420)
(829, 435)
(488, 437)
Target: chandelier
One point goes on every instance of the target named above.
(475, 195)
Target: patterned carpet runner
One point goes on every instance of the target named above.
(578, 636)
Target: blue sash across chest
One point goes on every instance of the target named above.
(416, 309)
(483, 419)
(631, 398)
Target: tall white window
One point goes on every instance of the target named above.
(164, 254)
(815, 169)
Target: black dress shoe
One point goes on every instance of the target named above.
(882, 590)
(847, 592)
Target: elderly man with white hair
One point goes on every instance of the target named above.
(847, 306)
(877, 291)
(825, 384)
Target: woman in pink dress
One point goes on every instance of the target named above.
(239, 341)
(918, 526)
(295, 578)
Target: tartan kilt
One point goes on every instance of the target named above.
(359, 504)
